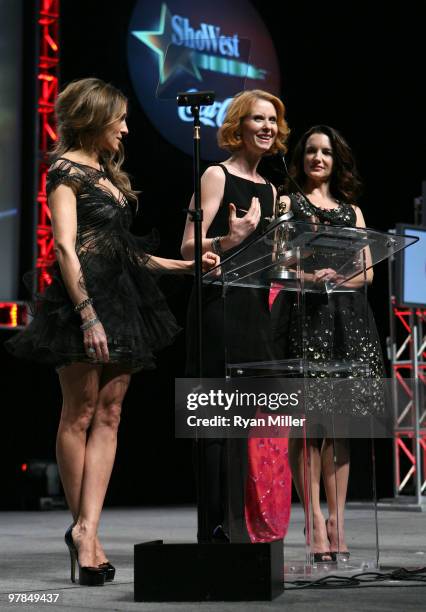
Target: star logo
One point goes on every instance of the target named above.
(171, 58)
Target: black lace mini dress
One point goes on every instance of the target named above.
(116, 273)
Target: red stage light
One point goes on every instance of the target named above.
(13, 315)
(51, 42)
(48, 20)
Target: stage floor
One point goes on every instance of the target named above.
(33, 559)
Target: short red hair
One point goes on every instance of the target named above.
(229, 136)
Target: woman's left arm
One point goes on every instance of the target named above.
(358, 281)
(177, 266)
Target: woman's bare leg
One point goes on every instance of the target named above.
(80, 388)
(79, 384)
(86, 446)
(100, 454)
(335, 471)
(320, 542)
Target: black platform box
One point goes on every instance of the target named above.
(208, 572)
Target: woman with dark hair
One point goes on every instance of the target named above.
(344, 182)
(238, 204)
(102, 317)
(324, 168)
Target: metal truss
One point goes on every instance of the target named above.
(48, 79)
(15, 314)
(407, 352)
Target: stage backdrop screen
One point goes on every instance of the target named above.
(183, 45)
(10, 144)
(412, 268)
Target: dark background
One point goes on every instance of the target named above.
(355, 68)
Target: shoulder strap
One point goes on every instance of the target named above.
(224, 168)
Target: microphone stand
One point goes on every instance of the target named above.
(195, 100)
(293, 181)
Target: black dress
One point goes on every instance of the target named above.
(336, 329)
(114, 272)
(247, 310)
(248, 338)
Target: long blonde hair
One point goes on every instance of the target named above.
(84, 109)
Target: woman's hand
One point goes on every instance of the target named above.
(95, 343)
(209, 261)
(324, 275)
(241, 227)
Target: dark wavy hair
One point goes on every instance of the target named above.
(345, 183)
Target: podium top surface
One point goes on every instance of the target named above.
(293, 252)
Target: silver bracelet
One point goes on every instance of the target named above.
(83, 304)
(88, 324)
(216, 246)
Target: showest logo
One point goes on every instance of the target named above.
(175, 45)
(207, 38)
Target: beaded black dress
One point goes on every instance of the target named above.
(335, 329)
(117, 274)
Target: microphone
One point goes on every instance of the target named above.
(292, 180)
(195, 98)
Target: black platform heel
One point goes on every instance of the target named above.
(109, 571)
(87, 576)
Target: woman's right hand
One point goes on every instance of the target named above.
(326, 275)
(95, 343)
(241, 227)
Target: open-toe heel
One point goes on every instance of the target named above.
(109, 571)
(320, 557)
(342, 556)
(87, 576)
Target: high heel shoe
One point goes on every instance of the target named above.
(87, 575)
(342, 556)
(109, 571)
(320, 557)
(219, 536)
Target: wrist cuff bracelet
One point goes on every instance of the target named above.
(88, 324)
(216, 246)
(83, 304)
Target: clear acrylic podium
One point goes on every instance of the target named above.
(301, 262)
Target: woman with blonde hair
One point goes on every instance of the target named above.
(102, 317)
(238, 204)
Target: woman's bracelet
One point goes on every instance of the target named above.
(216, 246)
(83, 304)
(88, 324)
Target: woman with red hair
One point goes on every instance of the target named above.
(238, 204)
